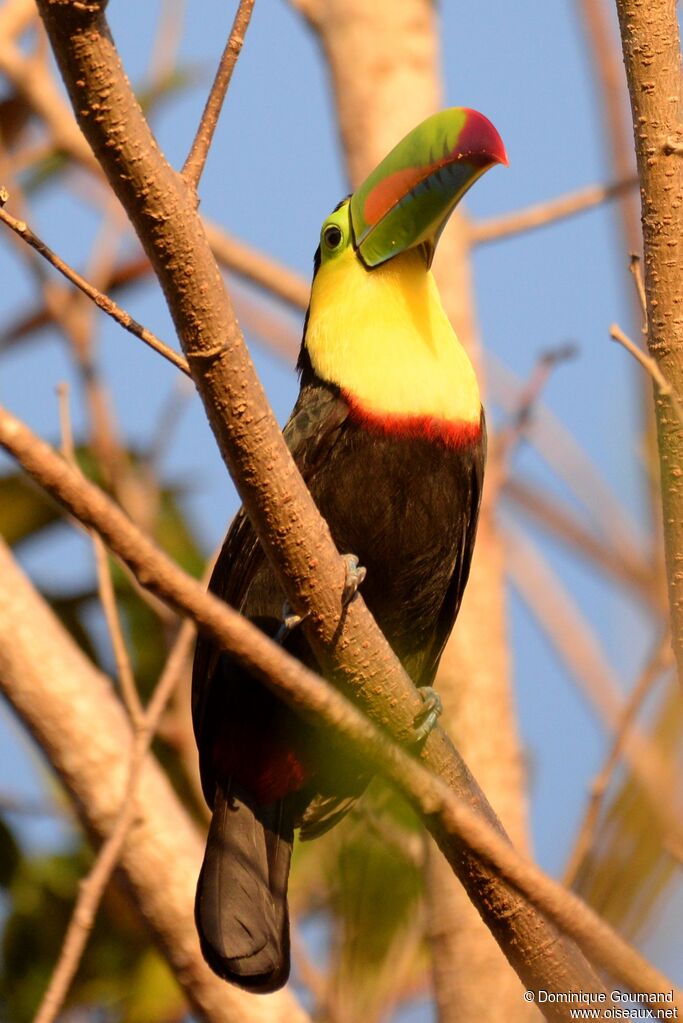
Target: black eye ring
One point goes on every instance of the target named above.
(332, 236)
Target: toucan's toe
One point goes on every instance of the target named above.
(426, 720)
(289, 621)
(355, 574)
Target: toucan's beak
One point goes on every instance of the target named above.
(406, 201)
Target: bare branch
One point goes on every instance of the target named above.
(660, 658)
(651, 366)
(124, 670)
(235, 256)
(528, 398)
(578, 646)
(103, 302)
(634, 267)
(194, 164)
(454, 822)
(544, 213)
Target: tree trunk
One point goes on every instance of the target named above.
(652, 55)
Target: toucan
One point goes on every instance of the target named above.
(388, 432)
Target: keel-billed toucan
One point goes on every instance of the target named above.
(388, 433)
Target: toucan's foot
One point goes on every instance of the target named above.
(290, 621)
(355, 574)
(429, 715)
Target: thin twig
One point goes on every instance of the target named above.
(544, 213)
(105, 585)
(569, 461)
(634, 266)
(650, 366)
(194, 164)
(527, 399)
(235, 256)
(658, 660)
(65, 429)
(576, 643)
(103, 302)
(124, 671)
(451, 817)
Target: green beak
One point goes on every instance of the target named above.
(406, 201)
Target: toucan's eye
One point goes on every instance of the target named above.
(332, 236)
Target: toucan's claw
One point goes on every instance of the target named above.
(429, 715)
(355, 574)
(290, 621)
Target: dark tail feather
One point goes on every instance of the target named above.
(241, 904)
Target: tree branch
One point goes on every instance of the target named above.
(651, 367)
(652, 56)
(650, 674)
(103, 302)
(196, 158)
(455, 823)
(541, 214)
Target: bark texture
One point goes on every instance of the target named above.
(652, 56)
(76, 718)
(392, 84)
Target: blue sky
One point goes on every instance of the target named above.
(273, 175)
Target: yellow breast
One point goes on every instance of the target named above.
(382, 335)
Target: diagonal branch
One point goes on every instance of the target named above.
(194, 164)
(543, 213)
(103, 302)
(457, 826)
(650, 674)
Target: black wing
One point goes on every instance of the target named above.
(311, 431)
(461, 569)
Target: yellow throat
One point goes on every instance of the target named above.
(383, 337)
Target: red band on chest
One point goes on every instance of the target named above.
(451, 433)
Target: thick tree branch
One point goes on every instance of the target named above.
(652, 55)
(456, 824)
